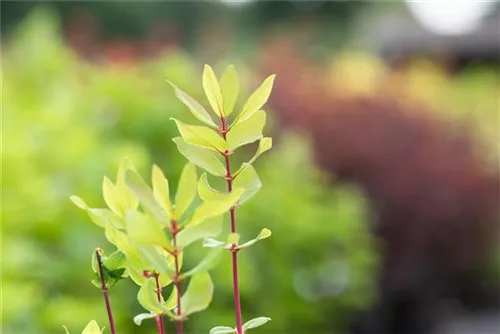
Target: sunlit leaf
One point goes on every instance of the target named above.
(157, 260)
(233, 238)
(148, 298)
(212, 90)
(66, 329)
(201, 136)
(215, 207)
(143, 316)
(201, 157)
(111, 196)
(209, 228)
(196, 109)
(229, 86)
(205, 191)
(207, 263)
(92, 328)
(127, 198)
(186, 190)
(264, 234)
(145, 196)
(222, 330)
(256, 100)
(257, 322)
(161, 190)
(144, 230)
(248, 131)
(248, 180)
(198, 294)
(100, 217)
(265, 144)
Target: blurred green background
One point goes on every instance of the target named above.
(83, 85)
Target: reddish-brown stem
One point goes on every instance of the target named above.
(236, 289)
(159, 319)
(178, 283)
(105, 293)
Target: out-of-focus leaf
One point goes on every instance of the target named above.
(215, 207)
(222, 330)
(145, 196)
(205, 191)
(112, 197)
(127, 198)
(209, 228)
(208, 262)
(171, 302)
(256, 322)
(148, 299)
(201, 136)
(198, 294)
(265, 144)
(196, 109)
(264, 234)
(229, 86)
(212, 90)
(248, 180)
(161, 190)
(143, 316)
(92, 328)
(212, 243)
(256, 100)
(233, 238)
(201, 157)
(248, 131)
(186, 191)
(144, 230)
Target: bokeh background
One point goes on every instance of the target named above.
(381, 189)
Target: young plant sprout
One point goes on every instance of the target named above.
(152, 233)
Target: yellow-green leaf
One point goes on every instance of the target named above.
(229, 86)
(144, 230)
(264, 234)
(198, 294)
(161, 190)
(201, 157)
(112, 197)
(92, 328)
(201, 136)
(186, 191)
(148, 299)
(196, 109)
(138, 319)
(172, 299)
(127, 197)
(248, 131)
(257, 99)
(158, 260)
(256, 322)
(212, 90)
(209, 228)
(205, 191)
(208, 262)
(248, 180)
(215, 207)
(146, 197)
(265, 145)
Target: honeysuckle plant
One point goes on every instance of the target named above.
(151, 232)
(210, 147)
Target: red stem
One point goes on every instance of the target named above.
(178, 283)
(105, 293)
(234, 250)
(159, 319)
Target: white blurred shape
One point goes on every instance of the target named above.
(450, 17)
(235, 2)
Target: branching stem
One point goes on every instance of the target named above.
(105, 292)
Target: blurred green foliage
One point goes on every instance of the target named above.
(66, 123)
